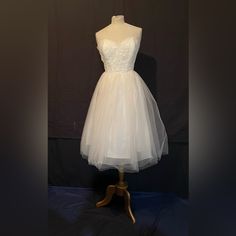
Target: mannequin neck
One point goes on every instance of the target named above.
(119, 19)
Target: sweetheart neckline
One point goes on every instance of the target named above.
(120, 41)
(116, 43)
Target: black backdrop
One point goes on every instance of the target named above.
(75, 67)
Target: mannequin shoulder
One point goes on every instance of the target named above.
(99, 34)
(139, 30)
(135, 29)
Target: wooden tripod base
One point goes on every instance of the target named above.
(119, 189)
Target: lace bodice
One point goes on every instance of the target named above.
(118, 56)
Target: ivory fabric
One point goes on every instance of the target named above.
(123, 127)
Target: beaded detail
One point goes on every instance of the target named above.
(118, 56)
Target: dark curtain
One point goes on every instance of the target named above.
(75, 67)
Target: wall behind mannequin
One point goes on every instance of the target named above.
(75, 67)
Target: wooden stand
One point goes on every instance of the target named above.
(119, 189)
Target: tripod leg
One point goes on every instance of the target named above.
(127, 205)
(109, 193)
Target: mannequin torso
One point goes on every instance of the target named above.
(119, 31)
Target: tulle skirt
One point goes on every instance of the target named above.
(123, 129)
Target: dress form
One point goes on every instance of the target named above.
(118, 31)
(123, 127)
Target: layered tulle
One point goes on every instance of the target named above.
(123, 128)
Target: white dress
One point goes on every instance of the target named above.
(123, 128)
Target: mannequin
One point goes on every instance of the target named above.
(118, 31)
(123, 127)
